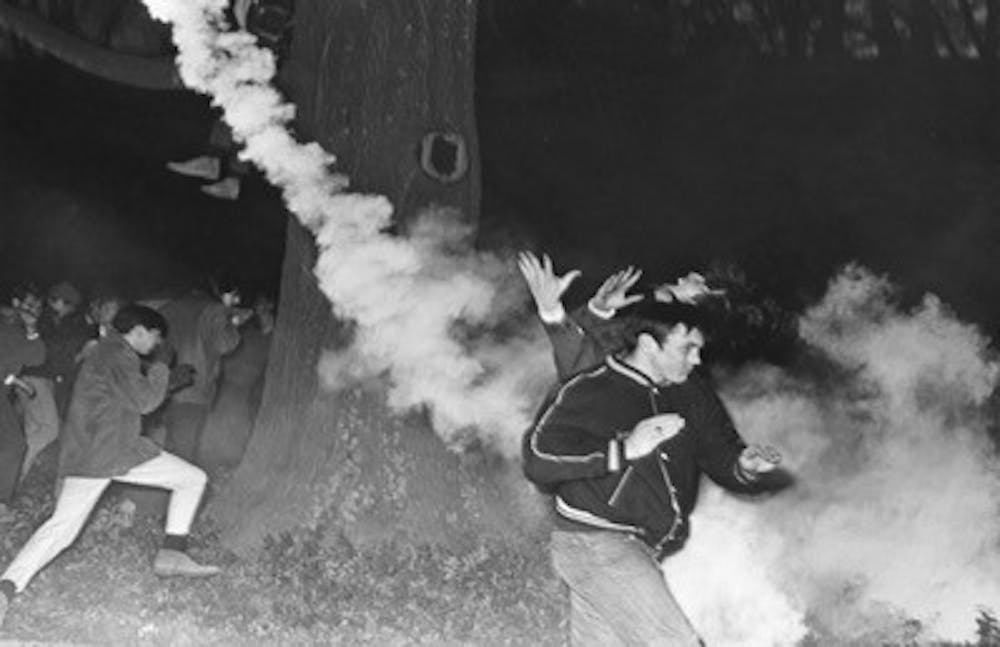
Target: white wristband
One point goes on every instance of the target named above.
(555, 316)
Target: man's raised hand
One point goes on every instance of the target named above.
(613, 293)
(546, 287)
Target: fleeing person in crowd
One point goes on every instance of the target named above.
(101, 313)
(203, 329)
(584, 337)
(241, 388)
(622, 446)
(20, 346)
(102, 442)
(64, 331)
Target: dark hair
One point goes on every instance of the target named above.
(658, 318)
(23, 290)
(224, 282)
(134, 314)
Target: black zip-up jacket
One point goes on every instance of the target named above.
(574, 450)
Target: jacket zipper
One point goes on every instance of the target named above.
(672, 491)
(616, 494)
(664, 458)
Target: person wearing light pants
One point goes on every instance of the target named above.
(102, 442)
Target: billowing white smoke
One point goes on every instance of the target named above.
(419, 311)
(895, 516)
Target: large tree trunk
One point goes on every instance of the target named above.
(370, 79)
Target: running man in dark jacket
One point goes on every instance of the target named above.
(102, 442)
(622, 446)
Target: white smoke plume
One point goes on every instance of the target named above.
(892, 531)
(421, 314)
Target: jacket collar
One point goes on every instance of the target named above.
(630, 372)
(115, 338)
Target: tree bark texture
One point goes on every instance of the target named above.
(370, 80)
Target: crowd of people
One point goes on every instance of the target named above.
(124, 390)
(620, 444)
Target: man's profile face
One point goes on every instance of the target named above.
(677, 355)
(143, 340)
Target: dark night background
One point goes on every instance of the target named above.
(596, 146)
(767, 137)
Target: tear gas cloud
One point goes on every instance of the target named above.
(421, 313)
(894, 513)
(894, 516)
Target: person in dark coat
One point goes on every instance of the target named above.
(621, 446)
(20, 346)
(103, 442)
(64, 331)
(203, 329)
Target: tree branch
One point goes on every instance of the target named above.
(137, 71)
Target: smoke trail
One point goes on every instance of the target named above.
(895, 514)
(892, 531)
(419, 310)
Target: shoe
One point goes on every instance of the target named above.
(174, 563)
(225, 189)
(205, 167)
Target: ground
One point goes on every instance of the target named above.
(308, 589)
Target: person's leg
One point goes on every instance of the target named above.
(41, 420)
(588, 627)
(617, 588)
(76, 499)
(11, 448)
(184, 422)
(186, 483)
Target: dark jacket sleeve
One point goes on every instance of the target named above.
(569, 440)
(17, 351)
(34, 352)
(719, 444)
(581, 340)
(572, 349)
(138, 392)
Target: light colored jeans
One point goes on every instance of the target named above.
(617, 592)
(41, 419)
(79, 495)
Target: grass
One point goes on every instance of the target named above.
(311, 587)
(307, 588)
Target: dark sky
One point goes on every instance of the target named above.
(85, 193)
(787, 171)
